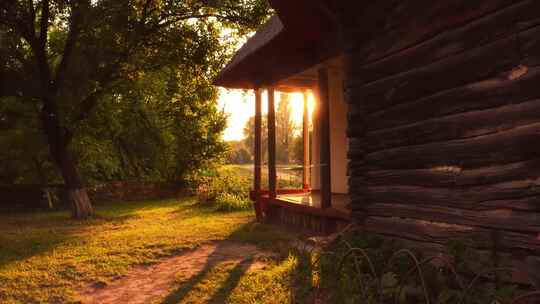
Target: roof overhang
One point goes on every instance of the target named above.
(300, 36)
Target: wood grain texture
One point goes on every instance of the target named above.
(444, 122)
(454, 176)
(470, 66)
(403, 24)
(501, 219)
(496, 24)
(479, 95)
(443, 233)
(459, 197)
(503, 147)
(458, 126)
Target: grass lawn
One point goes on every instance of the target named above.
(47, 257)
(286, 178)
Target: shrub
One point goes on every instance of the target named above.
(223, 189)
(231, 202)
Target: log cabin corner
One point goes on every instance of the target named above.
(427, 126)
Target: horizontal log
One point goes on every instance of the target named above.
(530, 43)
(480, 63)
(457, 126)
(498, 59)
(481, 95)
(527, 204)
(459, 197)
(500, 219)
(489, 27)
(505, 147)
(450, 176)
(520, 204)
(402, 26)
(443, 233)
(482, 258)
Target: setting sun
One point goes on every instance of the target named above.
(239, 105)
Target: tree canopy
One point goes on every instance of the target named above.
(114, 89)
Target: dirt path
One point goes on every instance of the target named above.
(150, 284)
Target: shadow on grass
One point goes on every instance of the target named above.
(15, 249)
(235, 275)
(223, 292)
(253, 232)
(27, 234)
(272, 238)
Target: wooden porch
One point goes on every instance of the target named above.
(312, 202)
(314, 206)
(307, 202)
(303, 210)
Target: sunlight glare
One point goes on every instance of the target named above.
(239, 105)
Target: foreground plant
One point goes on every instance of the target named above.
(362, 268)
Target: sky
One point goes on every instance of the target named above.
(240, 106)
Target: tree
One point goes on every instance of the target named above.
(160, 127)
(286, 129)
(24, 155)
(66, 56)
(298, 149)
(249, 136)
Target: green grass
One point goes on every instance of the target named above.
(47, 257)
(241, 170)
(287, 179)
(281, 281)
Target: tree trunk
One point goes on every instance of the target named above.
(81, 207)
(59, 139)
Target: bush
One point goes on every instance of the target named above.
(231, 202)
(223, 189)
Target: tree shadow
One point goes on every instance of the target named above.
(15, 250)
(27, 234)
(273, 238)
(235, 275)
(223, 292)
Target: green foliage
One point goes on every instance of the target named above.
(24, 155)
(362, 268)
(286, 130)
(238, 153)
(129, 83)
(231, 202)
(289, 141)
(163, 127)
(249, 136)
(223, 189)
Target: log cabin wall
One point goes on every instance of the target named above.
(444, 121)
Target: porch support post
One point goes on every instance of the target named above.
(324, 139)
(257, 144)
(305, 137)
(272, 186)
(257, 155)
